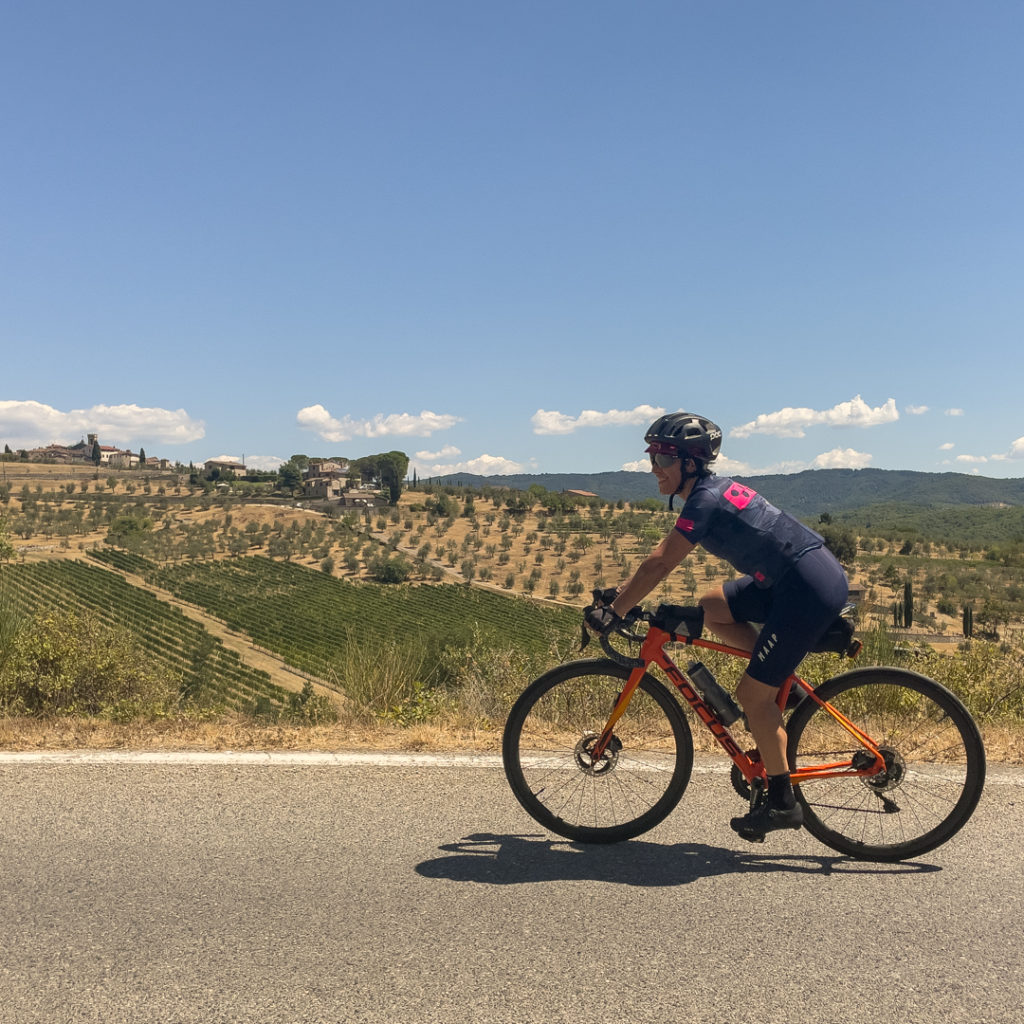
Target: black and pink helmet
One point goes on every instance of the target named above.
(685, 434)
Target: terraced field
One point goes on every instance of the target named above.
(205, 668)
(309, 618)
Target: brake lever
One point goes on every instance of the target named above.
(634, 615)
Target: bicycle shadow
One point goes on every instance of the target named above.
(491, 859)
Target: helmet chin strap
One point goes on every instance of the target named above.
(684, 478)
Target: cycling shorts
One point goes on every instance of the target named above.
(795, 612)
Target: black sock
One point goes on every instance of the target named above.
(780, 792)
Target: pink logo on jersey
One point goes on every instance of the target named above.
(740, 496)
(686, 525)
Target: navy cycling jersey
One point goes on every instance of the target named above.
(733, 522)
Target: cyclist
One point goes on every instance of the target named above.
(793, 587)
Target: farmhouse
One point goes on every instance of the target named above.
(330, 468)
(322, 488)
(362, 499)
(223, 466)
(115, 458)
(60, 453)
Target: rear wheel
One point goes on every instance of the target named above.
(934, 764)
(547, 752)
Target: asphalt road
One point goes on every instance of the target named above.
(286, 890)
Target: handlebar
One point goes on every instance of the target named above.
(622, 659)
(625, 630)
(678, 620)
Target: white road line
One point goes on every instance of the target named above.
(276, 758)
(1008, 775)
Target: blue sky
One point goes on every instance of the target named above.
(502, 237)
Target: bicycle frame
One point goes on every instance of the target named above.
(652, 652)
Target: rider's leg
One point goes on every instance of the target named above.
(764, 720)
(718, 618)
(795, 612)
(778, 807)
(758, 699)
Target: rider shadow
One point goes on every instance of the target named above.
(519, 859)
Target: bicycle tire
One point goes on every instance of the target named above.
(628, 791)
(935, 764)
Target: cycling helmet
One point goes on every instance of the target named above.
(692, 436)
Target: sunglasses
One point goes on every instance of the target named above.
(664, 461)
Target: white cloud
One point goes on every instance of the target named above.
(916, 410)
(841, 458)
(447, 452)
(639, 466)
(790, 422)
(731, 467)
(482, 465)
(954, 412)
(545, 422)
(947, 447)
(1016, 451)
(838, 458)
(267, 463)
(403, 424)
(27, 424)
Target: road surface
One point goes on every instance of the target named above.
(298, 887)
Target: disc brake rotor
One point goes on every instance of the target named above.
(890, 777)
(608, 760)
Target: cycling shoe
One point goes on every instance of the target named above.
(756, 824)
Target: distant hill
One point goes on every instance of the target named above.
(803, 494)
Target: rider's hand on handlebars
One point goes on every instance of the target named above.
(601, 620)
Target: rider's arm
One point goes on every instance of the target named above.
(653, 569)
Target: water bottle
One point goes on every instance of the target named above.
(714, 696)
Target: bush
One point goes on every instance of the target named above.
(310, 708)
(62, 663)
(390, 570)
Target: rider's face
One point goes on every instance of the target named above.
(668, 477)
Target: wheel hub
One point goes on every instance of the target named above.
(891, 777)
(608, 760)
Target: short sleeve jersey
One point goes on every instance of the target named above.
(733, 522)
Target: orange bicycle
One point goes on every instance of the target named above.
(887, 763)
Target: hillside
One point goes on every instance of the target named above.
(492, 586)
(804, 494)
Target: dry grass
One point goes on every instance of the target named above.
(1004, 744)
(30, 734)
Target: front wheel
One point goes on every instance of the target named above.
(549, 737)
(934, 764)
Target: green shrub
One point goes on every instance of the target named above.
(390, 570)
(62, 663)
(378, 676)
(309, 707)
